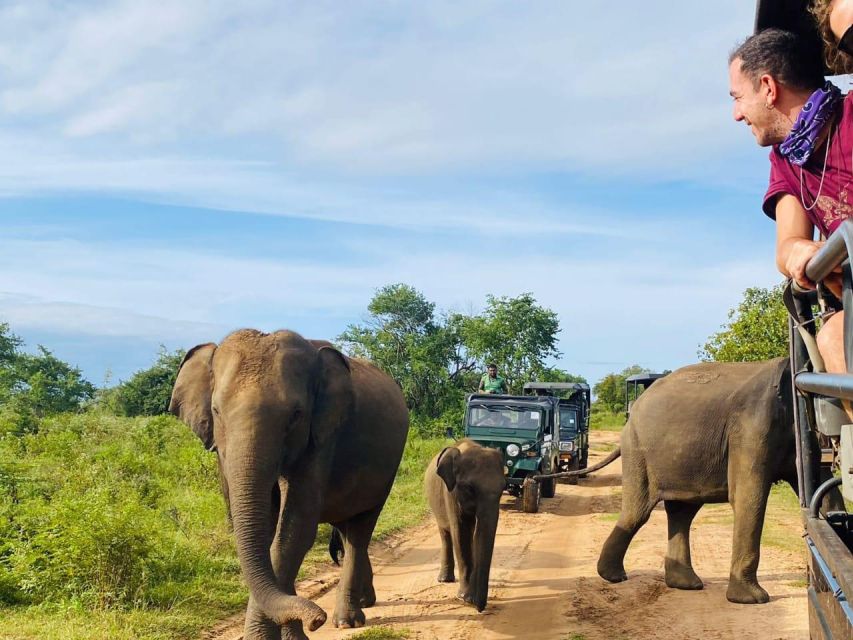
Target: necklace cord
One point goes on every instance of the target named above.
(822, 176)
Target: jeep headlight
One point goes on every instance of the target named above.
(512, 450)
(567, 446)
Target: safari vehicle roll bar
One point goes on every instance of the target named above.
(634, 383)
(558, 389)
(824, 441)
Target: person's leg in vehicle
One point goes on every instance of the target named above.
(830, 343)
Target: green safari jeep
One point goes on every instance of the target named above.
(524, 430)
(572, 421)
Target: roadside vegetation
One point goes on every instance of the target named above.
(112, 525)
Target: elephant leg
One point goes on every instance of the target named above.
(297, 530)
(356, 583)
(445, 573)
(462, 533)
(748, 497)
(678, 567)
(258, 626)
(637, 506)
(368, 594)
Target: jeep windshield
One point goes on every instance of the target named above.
(504, 416)
(568, 423)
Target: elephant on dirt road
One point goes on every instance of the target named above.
(707, 433)
(463, 485)
(303, 435)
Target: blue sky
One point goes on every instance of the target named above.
(172, 171)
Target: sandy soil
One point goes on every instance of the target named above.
(544, 584)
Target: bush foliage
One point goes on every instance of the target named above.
(148, 391)
(108, 512)
(757, 329)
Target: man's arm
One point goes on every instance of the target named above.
(794, 240)
(480, 387)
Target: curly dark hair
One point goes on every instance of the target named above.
(783, 55)
(837, 62)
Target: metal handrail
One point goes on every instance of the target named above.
(837, 249)
(835, 252)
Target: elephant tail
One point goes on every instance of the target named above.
(582, 472)
(336, 546)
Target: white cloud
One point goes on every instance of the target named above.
(267, 90)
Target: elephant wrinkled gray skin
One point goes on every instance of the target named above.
(303, 435)
(707, 433)
(464, 484)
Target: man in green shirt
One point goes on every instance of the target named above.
(491, 382)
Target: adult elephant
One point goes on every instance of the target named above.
(707, 433)
(303, 435)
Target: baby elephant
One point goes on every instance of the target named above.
(464, 485)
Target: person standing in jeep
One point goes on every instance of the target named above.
(491, 382)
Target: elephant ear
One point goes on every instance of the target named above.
(334, 401)
(192, 392)
(446, 466)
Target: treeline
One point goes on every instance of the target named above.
(438, 357)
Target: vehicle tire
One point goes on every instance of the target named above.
(548, 487)
(530, 496)
(584, 457)
(573, 466)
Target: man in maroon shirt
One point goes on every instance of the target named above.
(780, 93)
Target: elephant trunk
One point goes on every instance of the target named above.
(250, 489)
(484, 544)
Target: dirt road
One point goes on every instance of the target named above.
(544, 584)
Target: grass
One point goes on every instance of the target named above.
(783, 509)
(606, 421)
(115, 529)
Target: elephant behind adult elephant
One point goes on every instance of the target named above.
(303, 435)
(711, 432)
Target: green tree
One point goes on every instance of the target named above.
(553, 374)
(403, 337)
(610, 390)
(9, 352)
(756, 330)
(147, 392)
(515, 333)
(46, 385)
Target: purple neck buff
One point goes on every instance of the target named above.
(818, 110)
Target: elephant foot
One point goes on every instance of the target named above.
(368, 599)
(681, 576)
(465, 596)
(611, 572)
(446, 575)
(743, 592)
(352, 619)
